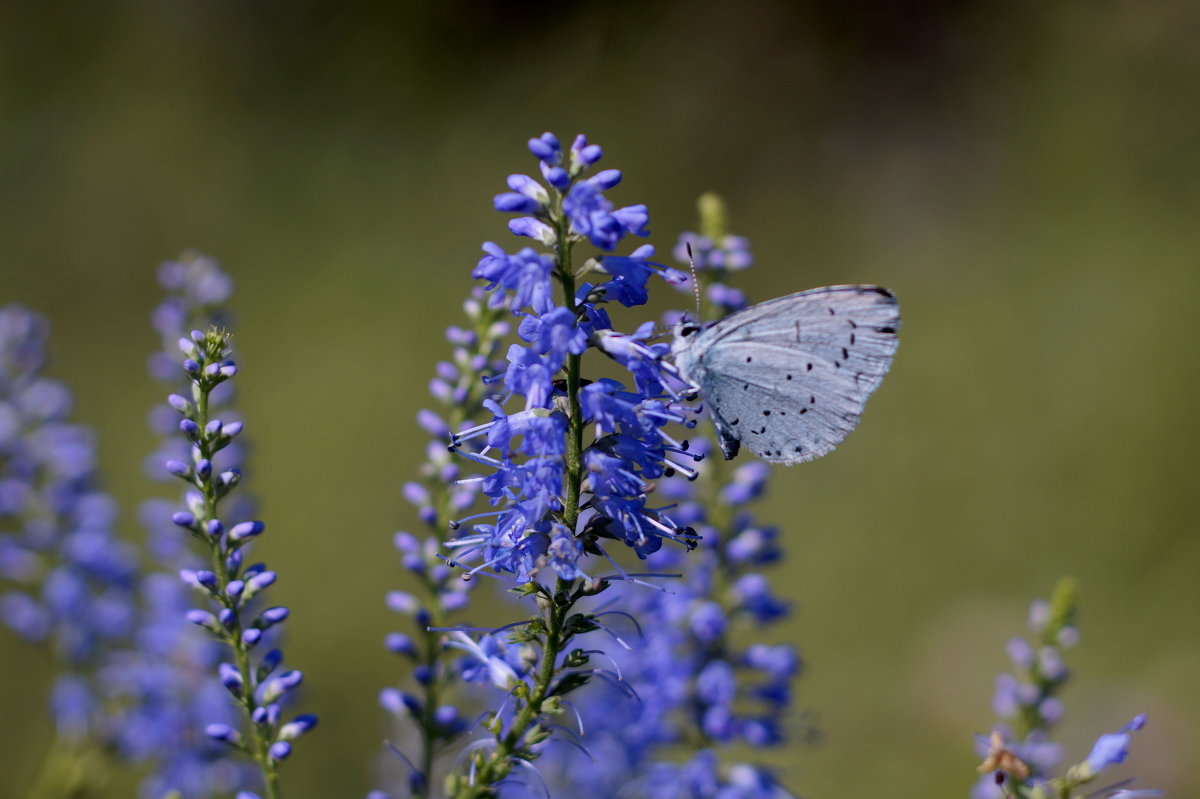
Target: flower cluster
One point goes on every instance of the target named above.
(258, 684)
(72, 582)
(1019, 756)
(164, 682)
(532, 446)
(569, 463)
(1027, 701)
(197, 293)
(441, 494)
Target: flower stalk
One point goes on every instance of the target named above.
(231, 587)
(561, 497)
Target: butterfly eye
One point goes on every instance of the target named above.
(688, 330)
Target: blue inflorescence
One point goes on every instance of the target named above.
(70, 581)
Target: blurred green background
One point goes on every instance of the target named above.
(1024, 175)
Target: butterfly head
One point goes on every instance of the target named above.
(685, 330)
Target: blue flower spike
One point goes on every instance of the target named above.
(67, 583)
(441, 496)
(232, 593)
(538, 481)
(1020, 757)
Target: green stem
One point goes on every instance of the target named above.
(498, 765)
(260, 743)
(574, 449)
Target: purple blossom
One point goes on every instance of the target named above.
(443, 491)
(208, 459)
(568, 467)
(1112, 748)
(67, 582)
(1019, 748)
(525, 276)
(591, 214)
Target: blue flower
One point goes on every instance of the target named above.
(442, 493)
(527, 196)
(525, 275)
(631, 274)
(529, 375)
(547, 149)
(564, 552)
(644, 361)
(490, 660)
(1112, 748)
(752, 593)
(207, 458)
(583, 154)
(591, 215)
(555, 336)
(70, 580)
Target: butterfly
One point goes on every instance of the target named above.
(789, 377)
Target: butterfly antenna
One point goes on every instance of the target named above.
(695, 280)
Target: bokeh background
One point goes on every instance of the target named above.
(1024, 175)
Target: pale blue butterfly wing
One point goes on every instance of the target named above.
(789, 377)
